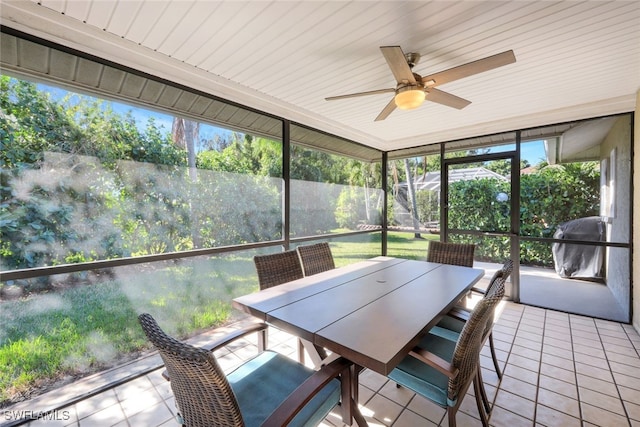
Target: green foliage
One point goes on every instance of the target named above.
(549, 197)
(350, 210)
(473, 205)
(428, 202)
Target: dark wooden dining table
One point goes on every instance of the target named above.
(371, 312)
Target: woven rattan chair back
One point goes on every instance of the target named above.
(466, 356)
(279, 268)
(203, 394)
(503, 274)
(494, 290)
(507, 269)
(316, 258)
(451, 253)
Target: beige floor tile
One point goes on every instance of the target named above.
(526, 352)
(627, 351)
(551, 418)
(629, 394)
(364, 394)
(632, 361)
(521, 388)
(151, 415)
(410, 419)
(527, 343)
(602, 417)
(502, 345)
(529, 336)
(591, 360)
(586, 342)
(626, 381)
(598, 385)
(94, 404)
(558, 386)
(383, 410)
(601, 373)
(557, 351)
(559, 402)
(522, 374)
(557, 342)
(624, 342)
(515, 403)
(105, 417)
(633, 409)
(133, 388)
(524, 362)
(559, 373)
(133, 405)
(581, 332)
(564, 336)
(426, 409)
(501, 417)
(372, 379)
(400, 395)
(536, 329)
(593, 351)
(560, 362)
(625, 369)
(593, 398)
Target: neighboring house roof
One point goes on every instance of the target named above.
(431, 180)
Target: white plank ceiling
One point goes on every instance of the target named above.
(575, 59)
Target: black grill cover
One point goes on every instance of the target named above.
(581, 261)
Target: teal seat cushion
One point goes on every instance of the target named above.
(264, 382)
(422, 378)
(448, 328)
(451, 323)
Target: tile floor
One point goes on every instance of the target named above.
(560, 370)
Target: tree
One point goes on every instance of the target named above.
(411, 192)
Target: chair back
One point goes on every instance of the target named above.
(316, 258)
(203, 394)
(451, 253)
(276, 269)
(504, 274)
(507, 269)
(466, 356)
(494, 290)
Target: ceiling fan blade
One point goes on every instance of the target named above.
(388, 109)
(353, 95)
(398, 64)
(471, 68)
(445, 98)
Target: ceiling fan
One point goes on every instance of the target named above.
(412, 89)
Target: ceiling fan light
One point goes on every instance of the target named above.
(409, 98)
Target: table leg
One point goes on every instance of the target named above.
(355, 373)
(317, 354)
(349, 388)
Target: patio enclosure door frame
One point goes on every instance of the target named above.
(512, 289)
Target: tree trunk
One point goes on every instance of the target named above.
(411, 192)
(185, 133)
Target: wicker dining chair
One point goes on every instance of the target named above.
(441, 369)
(267, 390)
(459, 314)
(451, 253)
(316, 258)
(276, 269)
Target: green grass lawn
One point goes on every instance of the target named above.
(76, 331)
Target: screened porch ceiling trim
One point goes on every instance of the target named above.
(44, 63)
(77, 72)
